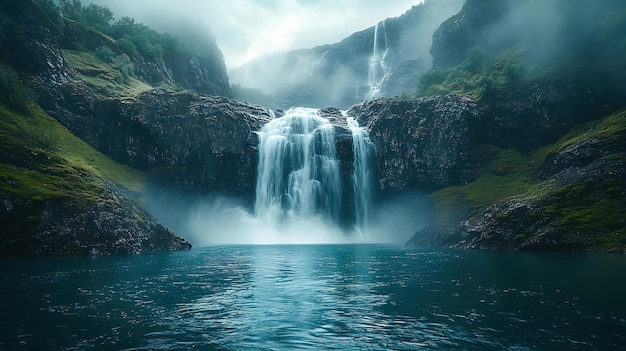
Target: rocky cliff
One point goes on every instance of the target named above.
(542, 187)
(425, 143)
(59, 196)
(514, 157)
(568, 196)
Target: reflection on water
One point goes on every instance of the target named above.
(344, 297)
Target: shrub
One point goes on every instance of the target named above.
(105, 54)
(72, 9)
(52, 10)
(127, 46)
(97, 16)
(123, 65)
(12, 91)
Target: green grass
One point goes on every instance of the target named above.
(508, 174)
(589, 206)
(100, 75)
(35, 133)
(43, 165)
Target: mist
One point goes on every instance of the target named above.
(247, 29)
(557, 32)
(216, 219)
(338, 74)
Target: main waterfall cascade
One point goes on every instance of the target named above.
(378, 71)
(299, 173)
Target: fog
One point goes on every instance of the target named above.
(550, 32)
(247, 29)
(215, 219)
(338, 74)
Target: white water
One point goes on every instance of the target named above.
(378, 71)
(362, 177)
(298, 194)
(298, 174)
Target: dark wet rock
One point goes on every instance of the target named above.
(87, 221)
(111, 225)
(194, 142)
(424, 143)
(530, 115)
(578, 206)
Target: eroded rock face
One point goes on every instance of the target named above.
(108, 222)
(191, 141)
(578, 207)
(423, 143)
(111, 225)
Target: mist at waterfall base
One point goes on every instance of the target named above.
(299, 194)
(216, 219)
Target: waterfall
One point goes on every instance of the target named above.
(378, 72)
(362, 178)
(298, 172)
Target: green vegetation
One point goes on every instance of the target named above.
(591, 205)
(108, 74)
(480, 74)
(42, 164)
(130, 47)
(510, 173)
(33, 139)
(12, 91)
(135, 39)
(96, 16)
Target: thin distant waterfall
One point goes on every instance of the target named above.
(298, 173)
(378, 71)
(362, 178)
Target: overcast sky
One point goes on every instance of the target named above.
(246, 29)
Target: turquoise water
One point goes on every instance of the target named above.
(317, 297)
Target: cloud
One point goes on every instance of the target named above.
(247, 29)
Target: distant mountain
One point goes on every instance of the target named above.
(381, 61)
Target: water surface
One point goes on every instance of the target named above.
(332, 297)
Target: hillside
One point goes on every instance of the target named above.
(551, 122)
(59, 195)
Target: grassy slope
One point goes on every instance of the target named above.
(590, 205)
(101, 76)
(41, 162)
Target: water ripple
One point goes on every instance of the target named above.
(358, 297)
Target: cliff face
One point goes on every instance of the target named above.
(422, 143)
(193, 142)
(59, 196)
(552, 179)
(572, 200)
(502, 170)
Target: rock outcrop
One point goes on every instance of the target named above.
(193, 142)
(576, 204)
(425, 143)
(53, 203)
(111, 225)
